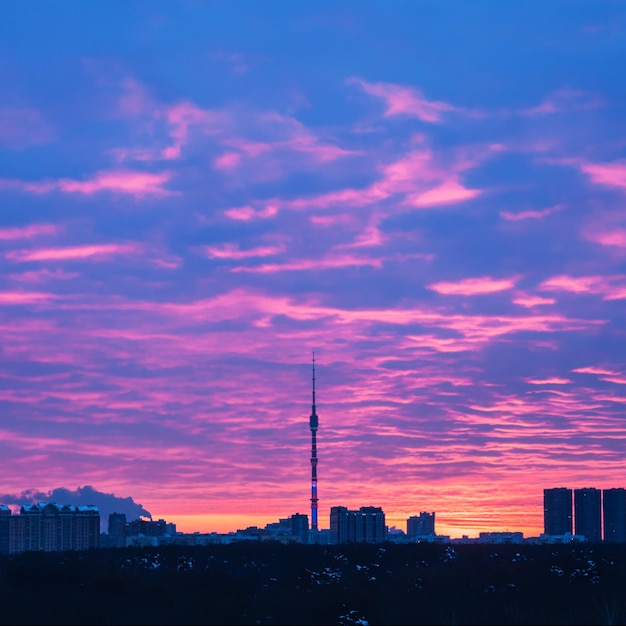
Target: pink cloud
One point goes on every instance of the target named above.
(135, 99)
(413, 169)
(575, 284)
(25, 297)
(43, 275)
(564, 100)
(227, 161)
(609, 174)
(330, 262)
(449, 192)
(580, 284)
(169, 262)
(256, 307)
(615, 293)
(249, 147)
(370, 237)
(23, 127)
(615, 237)
(529, 300)
(342, 197)
(96, 251)
(548, 381)
(247, 213)
(400, 176)
(413, 175)
(298, 138)
(321, 153)
(138, 184)
(232, 251)
(600, 371)
(442, 344)
(526, 215)
(182, 116)
(26, 232)
(178, 118)
(618, 380)
(404, 100)
(137, 154)
(611, 287)
(474, 286)
(288, 135)
(331, 220)
(546, 107)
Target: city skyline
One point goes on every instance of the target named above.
(585, 515)
(195, 197)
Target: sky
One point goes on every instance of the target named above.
(195, 196)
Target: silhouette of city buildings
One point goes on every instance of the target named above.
(421, 525)
(49, 527)
(292, 528)
(614, 509)
(136, 532)
(598, 515)
(557, 511)
(595, 514)
(117, 530)
(367, 525)
(588, 513)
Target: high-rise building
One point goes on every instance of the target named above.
(339, 522)
(419, 526)
(300, 527)
(5, 515)
(614, 509)
(370, 526)
(51, 527)
(288, 529)
(588, 513)
(117, 530)
(367, 525)
(557, 511)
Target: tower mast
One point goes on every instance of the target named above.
(313, 424)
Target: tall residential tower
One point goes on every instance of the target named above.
(614, 509)
(557, 511)
(313, 423)
(588, 513)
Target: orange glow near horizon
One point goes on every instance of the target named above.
(225, 523)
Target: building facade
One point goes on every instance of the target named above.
(557, 511)
(588, 513)
(421, 525)
(614, 510)
(5, 515)
(49, 527)
(293, 528)
(149, 528)
(122, 533)
(367, 525)
(116, 530)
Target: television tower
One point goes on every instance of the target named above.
(313, 423)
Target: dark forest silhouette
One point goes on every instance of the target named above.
(274, 583)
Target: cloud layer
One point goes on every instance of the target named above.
(183, 223)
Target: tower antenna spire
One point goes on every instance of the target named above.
(313, 381)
